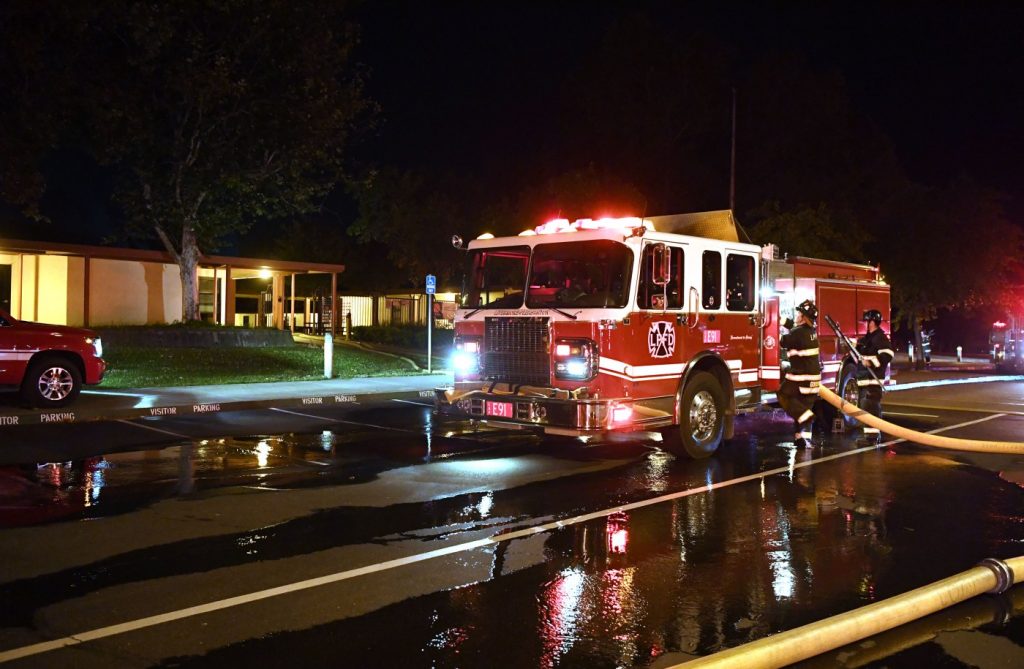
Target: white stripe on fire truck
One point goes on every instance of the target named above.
(612, 364)
(770, 373)
(748, 377)
(16, 355)
(734, 364)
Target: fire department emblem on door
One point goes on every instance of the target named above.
(661, 339)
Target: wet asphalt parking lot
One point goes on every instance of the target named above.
(368, 536)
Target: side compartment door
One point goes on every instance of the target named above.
(771, 371)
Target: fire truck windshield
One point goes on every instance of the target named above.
(579, 274)
(497, 278)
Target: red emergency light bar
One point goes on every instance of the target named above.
(557, 225)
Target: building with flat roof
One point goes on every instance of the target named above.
(94, 286)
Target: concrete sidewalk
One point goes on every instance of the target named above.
(98, 404)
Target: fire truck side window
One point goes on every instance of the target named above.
(739, 283)
(650, 295)
(711, 282)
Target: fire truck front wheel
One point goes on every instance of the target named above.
(701, 411)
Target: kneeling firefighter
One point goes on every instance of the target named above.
(876, 353)
(799, 389)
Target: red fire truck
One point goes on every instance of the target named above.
(621, 324)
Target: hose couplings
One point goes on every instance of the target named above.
(1003, 572)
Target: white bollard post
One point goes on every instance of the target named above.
(328, 355)
(959, 353)
(910, 352)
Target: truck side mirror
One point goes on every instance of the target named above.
(662, 270)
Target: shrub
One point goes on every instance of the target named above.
(403, 336)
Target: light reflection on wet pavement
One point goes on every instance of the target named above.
(649, 587)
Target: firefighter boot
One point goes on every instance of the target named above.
(870, 437)
(802, 438)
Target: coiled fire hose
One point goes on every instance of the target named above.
(990, 576)
(938, 441)
(785, 648)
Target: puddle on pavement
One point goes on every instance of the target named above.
(119, 482)
(698, 574)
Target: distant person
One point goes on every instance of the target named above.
(876, 353)
(799, 389)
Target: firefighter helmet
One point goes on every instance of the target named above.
(873, 315)
(808, 309)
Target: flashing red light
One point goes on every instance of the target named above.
(562, 350)
(564, 225)
(622, 414)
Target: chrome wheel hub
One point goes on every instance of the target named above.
(703, 416)
(55, 384)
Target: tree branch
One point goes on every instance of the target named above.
(167, 243)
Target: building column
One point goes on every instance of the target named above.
(334, 302)
(216, 300)
(85, 293)
(229, 297)
(291, 306)
(277, 296)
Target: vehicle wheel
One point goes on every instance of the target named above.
(51, 382)
(850, 391)
(701, 408)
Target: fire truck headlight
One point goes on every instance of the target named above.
(466, 356)
(575, 359)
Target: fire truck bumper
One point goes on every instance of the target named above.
(535, 408)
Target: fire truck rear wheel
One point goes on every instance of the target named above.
(701, 411)
(850, 391)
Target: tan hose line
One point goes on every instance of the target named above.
(785, 648)
(938, 441)
(822, 636)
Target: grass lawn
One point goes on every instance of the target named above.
(143, 367)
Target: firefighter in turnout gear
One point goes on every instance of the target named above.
(799, 389)
(876, 353)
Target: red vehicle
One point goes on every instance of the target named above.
(588, 327)
(48, 363)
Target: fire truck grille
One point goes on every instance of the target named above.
(516, 351)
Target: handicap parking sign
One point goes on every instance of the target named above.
(431, 284)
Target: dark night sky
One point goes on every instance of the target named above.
(474, 88)
(467, 86)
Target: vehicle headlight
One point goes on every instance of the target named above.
(466, 356)
(97, 346)
(576, 359)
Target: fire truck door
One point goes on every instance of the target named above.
(771, 372)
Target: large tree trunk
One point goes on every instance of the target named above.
(188, 266)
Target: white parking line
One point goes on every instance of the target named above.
(914, 415)
(345, 422)
(218, 605)
(154, 429)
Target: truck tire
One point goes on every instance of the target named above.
(701, 409)
(51, 382)
(850, 391)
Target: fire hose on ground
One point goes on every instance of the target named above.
(785, 648)
(990, 576)
(938, 441)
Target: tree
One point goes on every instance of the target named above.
(953, 248)
(215, 113)
(414, 217)
(808, 231)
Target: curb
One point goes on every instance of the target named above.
(201, 408)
